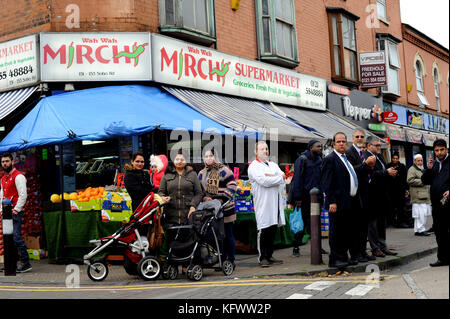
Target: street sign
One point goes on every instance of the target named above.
(372, 69)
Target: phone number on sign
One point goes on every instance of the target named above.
(16, 72)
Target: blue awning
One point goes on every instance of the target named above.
(104, 112)
(9, 101)
(244, 115)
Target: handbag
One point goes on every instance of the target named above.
(296, 221)
(156, 236)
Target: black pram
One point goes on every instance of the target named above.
(198, 244)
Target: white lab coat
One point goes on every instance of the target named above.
(267, 194)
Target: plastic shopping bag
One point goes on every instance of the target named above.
(296, 221)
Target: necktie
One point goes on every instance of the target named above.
(361, 154)
(350, 168)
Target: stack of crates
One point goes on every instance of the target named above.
(243, 201)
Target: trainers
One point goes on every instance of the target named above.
(24, 268)
(264, 263)
(275, 261)
(296, 252)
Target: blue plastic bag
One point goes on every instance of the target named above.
(296, 221)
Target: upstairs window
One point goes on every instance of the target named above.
(277, 34)
(390, 49)
(343, 47)
(419, 83)
(192, 20)
(436, 90)
(381, 8)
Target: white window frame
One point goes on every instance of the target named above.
(383, 15)
(436, 89)
(393, 65)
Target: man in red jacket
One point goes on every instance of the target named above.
(14, 187)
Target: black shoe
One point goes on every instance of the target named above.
(264, 263)
(439, 264)
(296, 252)
(424, 233)
(431, 230)
(323, 251)
(275, 261)
(352, 262)
(24, 268)
(363, 259)
(370, 258)
(338, 264)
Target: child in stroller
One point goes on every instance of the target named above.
(137, 258)
(198, 244)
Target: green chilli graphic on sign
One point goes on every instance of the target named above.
(221, 73)
(71, 55)
(137, 51)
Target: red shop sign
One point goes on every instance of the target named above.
(390, 117)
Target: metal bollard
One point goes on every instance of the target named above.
(10, 252)
(316, 256)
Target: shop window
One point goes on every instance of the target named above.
(436, 90)
(381, 9)
(343, 47)
(192, 20)
(393, 62)
(277, 39)
(419, 82)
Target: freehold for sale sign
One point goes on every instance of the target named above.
(19, 63)
(124, 56)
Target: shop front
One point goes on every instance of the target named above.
(413, 132)
(361, 109)
(99, 119)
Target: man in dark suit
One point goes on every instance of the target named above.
(437, 175)
(363, 167)
(378, 199)
(340, 185)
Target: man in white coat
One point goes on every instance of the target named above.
(268, 182)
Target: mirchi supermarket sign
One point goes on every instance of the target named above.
(183, 64)
(123, 56)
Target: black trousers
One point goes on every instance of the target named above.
(265, 242)
(441, 224)
(342, 233)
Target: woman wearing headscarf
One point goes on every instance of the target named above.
(218, 179)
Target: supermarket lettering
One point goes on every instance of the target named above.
(79, 53)
(187, 64)
(16, 49)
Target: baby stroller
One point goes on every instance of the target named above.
(137, 259)
(198, 245)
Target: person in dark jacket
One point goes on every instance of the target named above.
(179, 185)
(363, 168)
(398, 188)
(307, 172)
(437, 175)
(137, 183)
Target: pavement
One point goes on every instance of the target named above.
(401, 240)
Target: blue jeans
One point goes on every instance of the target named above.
(18, 240)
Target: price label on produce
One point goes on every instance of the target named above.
(19, 63)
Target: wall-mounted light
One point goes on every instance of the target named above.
(235, 4)
(409, 87)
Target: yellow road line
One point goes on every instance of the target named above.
(168, 286)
